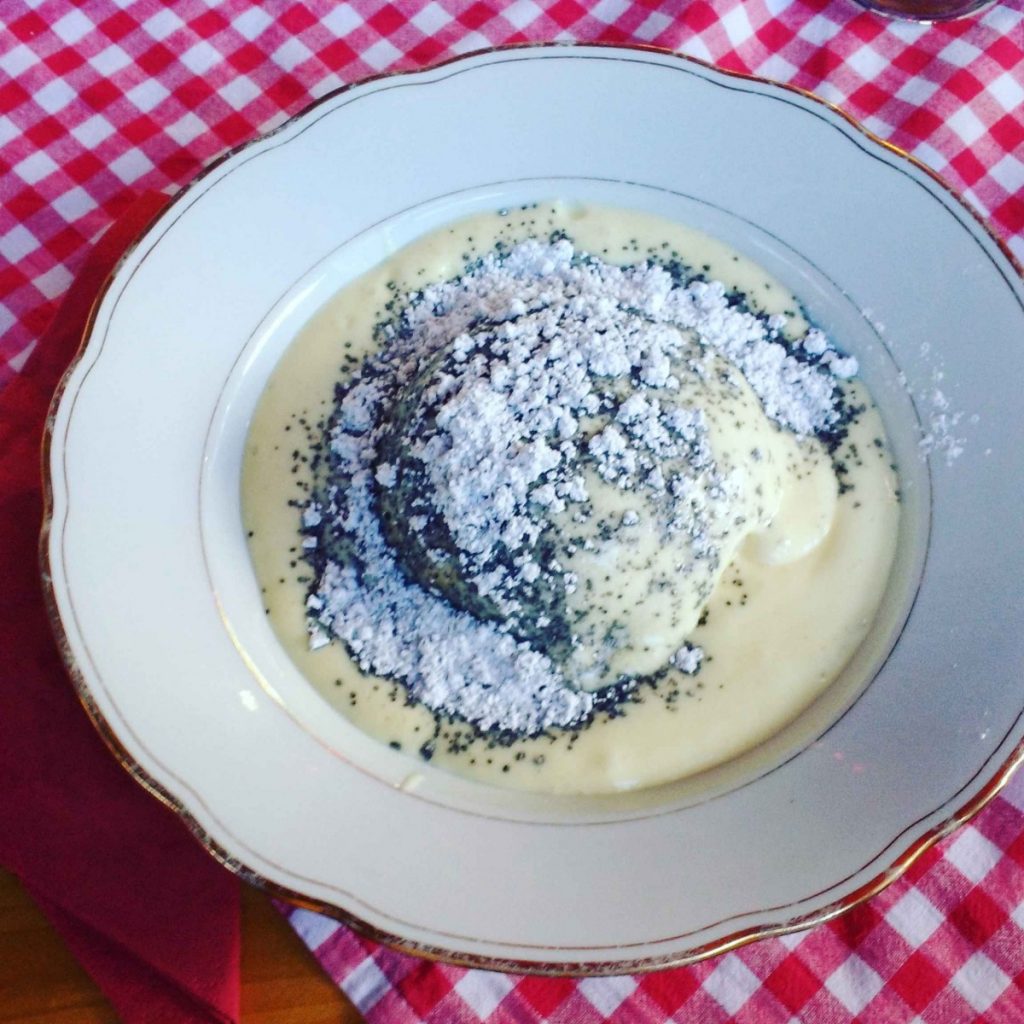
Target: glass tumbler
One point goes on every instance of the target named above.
(926, 10)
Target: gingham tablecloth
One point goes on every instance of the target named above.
(99, 100)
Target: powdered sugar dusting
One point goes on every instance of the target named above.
(942, 425)
(461, 454)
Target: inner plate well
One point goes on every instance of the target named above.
(238, 593)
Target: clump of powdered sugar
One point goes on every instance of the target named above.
(688, 659)
(454, 449)
(942, 425)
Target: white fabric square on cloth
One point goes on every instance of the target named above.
(1009, 172)
(366, 985)
(819, 30)
(313, 929)
(92, 132)
(980, 982)
(433, 18)
(972, 854)
(162, 24)
(201, 57)
(483, 990)
(866, 61)
(9, 131)
(35, 167)
(15, 61)
(916, 91)
(653, 25)
(608, 10)
(7, 321)
(55, 96)
(931, 156)
(54, 282)
(147, 94)
(74, 204)
(914, 917)
(186, 128)
(17, 243)
(778, 68)
(381, 55)
(341, 20)
(737, 25)
(111, 60)
(469, 42)
(131, 166)
(249, 24)
(72, 27)
(291, 53)
(959, 53)
(240, 91)
(606, 995)
(1006, 91)
(732, 984)
(520, 13)
(854, 983)
(967, 125)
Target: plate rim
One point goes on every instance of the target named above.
(897, 867)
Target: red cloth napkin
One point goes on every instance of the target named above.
(146, 910)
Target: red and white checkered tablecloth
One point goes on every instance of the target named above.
(100, 99)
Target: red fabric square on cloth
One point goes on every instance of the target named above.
(545, 995)
(918, 981)
(793, 983)
(977, 917)
(423, 987)
(670, 989)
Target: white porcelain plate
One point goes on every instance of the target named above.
(159, 606)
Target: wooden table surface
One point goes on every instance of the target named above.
(41, 983)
